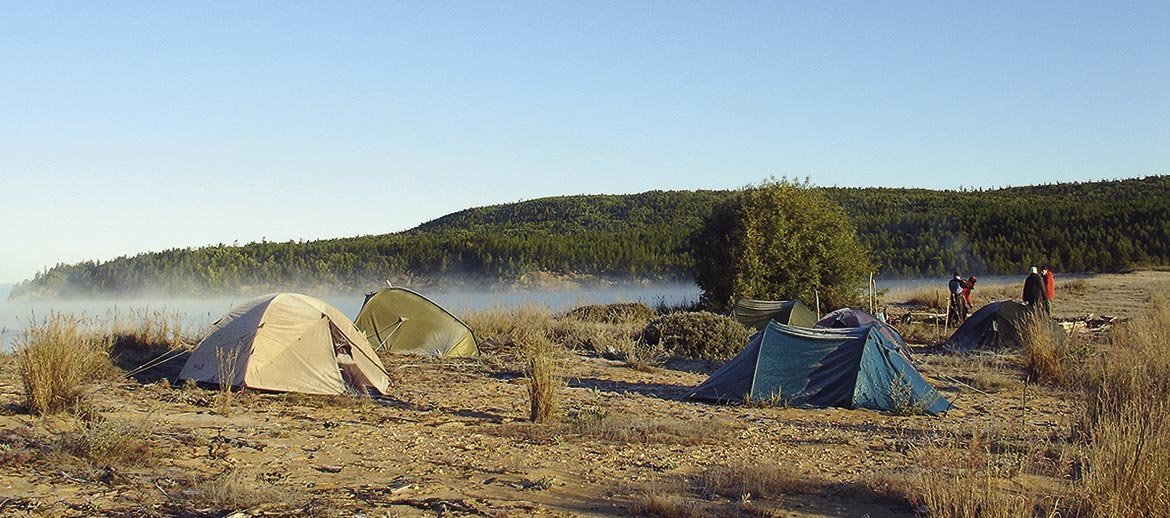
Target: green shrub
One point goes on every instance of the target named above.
(698, 335)
(612, 313)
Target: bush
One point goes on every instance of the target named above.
(56, 358)
(612, 313)
(779, 240)
(699, 335)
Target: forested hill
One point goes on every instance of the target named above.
(1098, 226)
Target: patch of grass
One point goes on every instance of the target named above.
(1127, 420)
(626, 428)
(698, 336)
(544, 377)
(502, 327)
(928, 298)
(667, 505)
(227, 363)
(762, 480)
(58, 358)
(146, 328)
(110, 441)
(1046, 356)
(234, 490)
(991, 473)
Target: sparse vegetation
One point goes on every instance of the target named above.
(698, 335)
(108, 440)
(227, 365)
(1046, 357)
(59, 358)
(544, 377)
(1127, 421)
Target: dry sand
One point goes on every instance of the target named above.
(452, 440)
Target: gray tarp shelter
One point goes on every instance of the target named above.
(755, 314)
(850, 367)
(403, 321)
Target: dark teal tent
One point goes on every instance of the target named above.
(755, 314)
(852, 368)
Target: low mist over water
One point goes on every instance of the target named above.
(197, 314)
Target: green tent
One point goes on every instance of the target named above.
(756, 314)
(403, 321)
(852, 368)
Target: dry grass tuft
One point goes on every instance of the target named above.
(1046, 356)
(234, 490)
(1127, 421)
(544, 379)
(986, 474)
(227, 363)
(628, 428)
(58, 357)
(109, 441)
(756, 480)
(146, 328)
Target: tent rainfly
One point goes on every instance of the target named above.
(853, 317)
(850, 367)
(755, 314)
(845, 317)
(403, 321)
(287, 342)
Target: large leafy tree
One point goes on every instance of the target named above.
(779, 240)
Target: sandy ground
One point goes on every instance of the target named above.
(452, 439)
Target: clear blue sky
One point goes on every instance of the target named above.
(130, 127)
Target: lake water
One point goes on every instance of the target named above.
(199, 313)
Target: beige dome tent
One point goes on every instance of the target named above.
(287, 342)
(403, 321)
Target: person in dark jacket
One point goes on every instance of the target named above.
(956, 311)
(1034, 290)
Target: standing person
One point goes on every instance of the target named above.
(1034, 289)
(955, 289)
(966, 294)
(1049, 287)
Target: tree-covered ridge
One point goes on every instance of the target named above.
(1095, 226)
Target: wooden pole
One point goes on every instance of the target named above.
(817, 294)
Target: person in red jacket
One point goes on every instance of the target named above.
(1049, 287)
(966, 293)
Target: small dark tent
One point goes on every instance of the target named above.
(403, 321)
(850, 367)
(755, 314)
(997, 325)
(845, 317)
